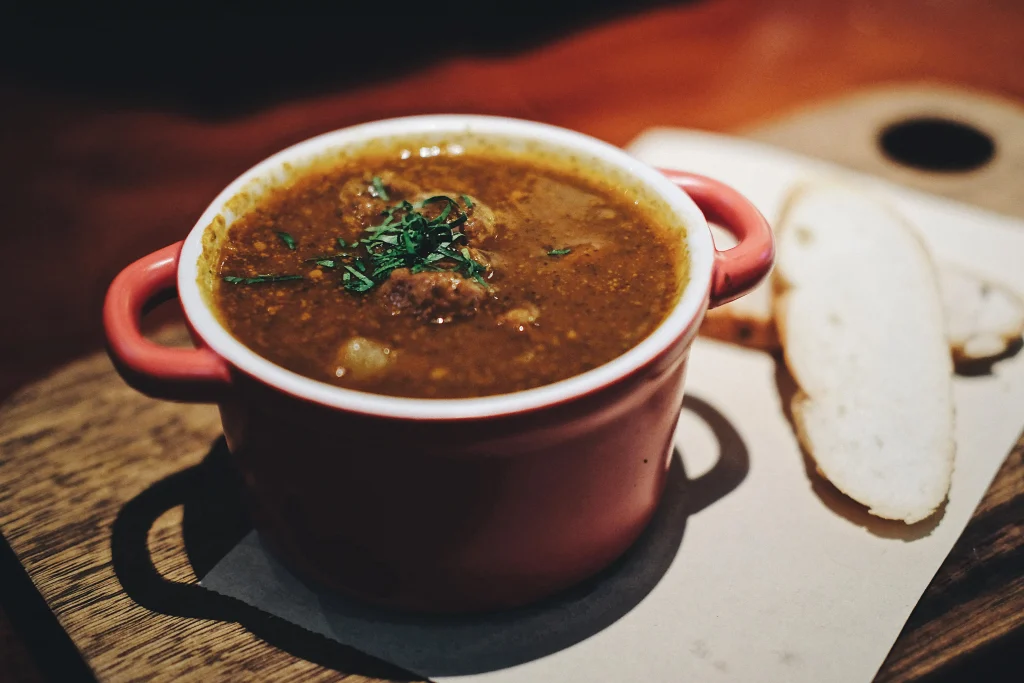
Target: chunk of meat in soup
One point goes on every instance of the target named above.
(480, 225)
(488, 259)
(361, 207)
(434, 296)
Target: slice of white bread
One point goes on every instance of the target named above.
(983, 318)
(862, 327)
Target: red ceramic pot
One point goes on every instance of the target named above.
(446, 505)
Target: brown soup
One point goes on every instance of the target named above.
(447, 276)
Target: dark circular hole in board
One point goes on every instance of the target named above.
(936, 144)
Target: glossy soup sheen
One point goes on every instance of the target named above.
(574, 273)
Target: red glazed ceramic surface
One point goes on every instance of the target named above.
(469, 504)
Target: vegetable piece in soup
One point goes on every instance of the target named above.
(452, 276)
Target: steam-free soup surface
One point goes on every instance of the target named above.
(455, 275)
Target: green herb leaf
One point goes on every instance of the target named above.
(327, 260)
(361, 283)
(341, 243)
(559, 252)
(378, 188)
(438, 198)
(231, 279)
(409, 238)
(455, 256)
(288, 240)
(468, 200)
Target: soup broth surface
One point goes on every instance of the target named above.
(446, 276)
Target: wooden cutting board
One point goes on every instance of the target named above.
(114, 504)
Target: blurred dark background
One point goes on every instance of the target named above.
(230, 64)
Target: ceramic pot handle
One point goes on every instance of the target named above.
(741, 268)
(194, 375)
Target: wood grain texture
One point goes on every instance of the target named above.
(976, 598)
(70, 466)
(109, 177)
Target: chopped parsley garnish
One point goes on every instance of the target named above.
(329, 260)
(407, 238)
(231, 279)
(341, 243)
(288, 240)
(378, 189)
(355, 281)
(559, 252)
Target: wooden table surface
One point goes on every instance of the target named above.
(116, 137)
